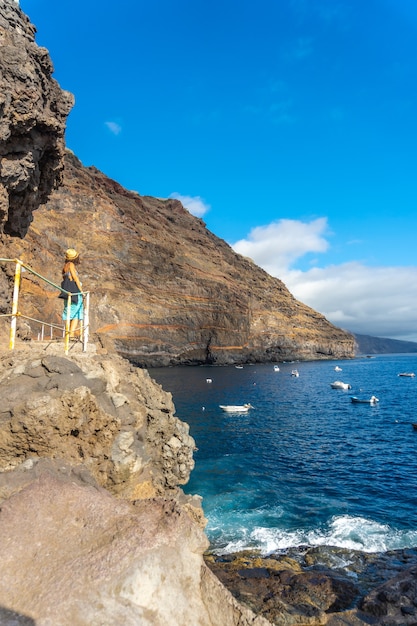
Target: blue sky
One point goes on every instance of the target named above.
(289, 126)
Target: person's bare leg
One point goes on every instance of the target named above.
(73, 327)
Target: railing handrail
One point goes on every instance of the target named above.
(15, 314)
(46, 280)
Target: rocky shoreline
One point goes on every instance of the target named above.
(323, 585)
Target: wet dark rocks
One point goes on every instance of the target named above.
(316, 585)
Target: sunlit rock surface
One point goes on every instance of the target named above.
(74, 555)
(165, 290)
(96, 410)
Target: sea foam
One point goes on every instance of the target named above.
(352, 533)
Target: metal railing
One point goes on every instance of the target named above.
(15, 314)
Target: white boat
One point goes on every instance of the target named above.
(408, 374)
(337, 369)
(371, 400)
(239, 367)
(209, 380)
(276, 368)
(295, 373)
(339, 385)
(236, 408)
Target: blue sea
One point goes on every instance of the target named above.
(305, 466)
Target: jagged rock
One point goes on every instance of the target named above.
(395, 602)
(324, 585)
(281, 591)
(33, 113)
(95, 410)
(94, 528)
(165, 290)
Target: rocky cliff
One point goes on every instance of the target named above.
(95, 528)
(33, 113)
(96, 410)
(365, 344)
(165, 290)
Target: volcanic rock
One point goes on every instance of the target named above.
(395, 602)
(96, 410)
(33, 113)
(324, 585)
(94, 528)
(164, 289)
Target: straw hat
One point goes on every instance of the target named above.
(71, 254)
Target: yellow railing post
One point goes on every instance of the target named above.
(67, 325)
(15, 313)
(86, 328)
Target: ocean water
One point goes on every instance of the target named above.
(305, 466)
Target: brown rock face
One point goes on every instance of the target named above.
(33, 112)
(165, 290)
(94, 410)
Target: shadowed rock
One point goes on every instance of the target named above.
(33, 113)
(324, 585)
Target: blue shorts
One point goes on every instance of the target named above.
(76, 310)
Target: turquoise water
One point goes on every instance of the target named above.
(305, 466)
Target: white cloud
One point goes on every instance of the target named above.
(278, 245)
(194, 204)
(113, 127)
(378, 301)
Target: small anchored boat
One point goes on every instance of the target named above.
(371, 400)
(236, 408)
(337, 369)
(407, 374)
(295, 373)
(276, 368)
(338, 384)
